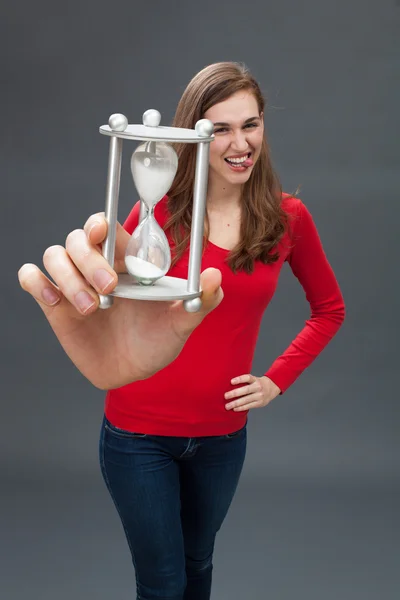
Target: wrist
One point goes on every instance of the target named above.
(275, 389)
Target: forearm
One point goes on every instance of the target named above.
(307, 345)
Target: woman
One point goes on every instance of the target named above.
(172, 446)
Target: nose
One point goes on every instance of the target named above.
(239, 141)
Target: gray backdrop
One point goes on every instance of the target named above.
(315, 515)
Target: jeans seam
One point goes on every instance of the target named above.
(189, 449)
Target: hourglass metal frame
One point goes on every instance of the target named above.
(166, 288)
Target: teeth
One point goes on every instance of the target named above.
(237, 161)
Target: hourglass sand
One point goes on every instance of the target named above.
(154, 164)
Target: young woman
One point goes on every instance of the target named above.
(172, 445)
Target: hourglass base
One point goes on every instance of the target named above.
(164, 289)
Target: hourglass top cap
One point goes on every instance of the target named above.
(151, 129)
(151, 118)
(118, 122)
(204, 128)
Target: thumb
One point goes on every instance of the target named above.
(210, 283)
(211, 297)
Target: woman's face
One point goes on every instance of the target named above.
(239, 132)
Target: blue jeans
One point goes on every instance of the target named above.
(172, 495)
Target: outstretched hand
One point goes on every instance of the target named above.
(133, 339)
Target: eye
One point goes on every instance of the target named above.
(248, 125)
(221, 130)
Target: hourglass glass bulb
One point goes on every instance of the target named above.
(153, 166)
(148, 256)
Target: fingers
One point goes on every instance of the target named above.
(242, 391)
(96, 231)
(253, 399)
(96, 228)
(243, 378)
(79, 270)
(88, 262)
(69, 280)
(33, 281)
(247, 406)
(253, 387)
(250, 395)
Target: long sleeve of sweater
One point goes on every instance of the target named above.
(310, 266)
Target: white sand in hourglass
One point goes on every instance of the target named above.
(142, 269)
(146, 164)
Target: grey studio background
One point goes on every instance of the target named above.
(316, 513)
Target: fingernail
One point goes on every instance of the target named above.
(93, 226)
(84, 301)
(50, 297)
(102, 279)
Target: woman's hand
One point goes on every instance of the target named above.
(258, 392)
(131, 340)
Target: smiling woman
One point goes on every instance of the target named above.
(173, 445)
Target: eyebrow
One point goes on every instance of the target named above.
(228, 124)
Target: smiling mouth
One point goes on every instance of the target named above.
(238, 161)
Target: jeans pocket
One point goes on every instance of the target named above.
(122, 433)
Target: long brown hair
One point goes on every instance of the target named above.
(263, 221)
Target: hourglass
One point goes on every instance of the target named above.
(154, 164)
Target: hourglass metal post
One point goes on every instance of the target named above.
(151, 181)
(117, 123)
(203, 128)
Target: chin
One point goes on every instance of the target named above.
(239, 178)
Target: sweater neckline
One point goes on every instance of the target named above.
(224, 250)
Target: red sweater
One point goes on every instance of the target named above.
(187, 397)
